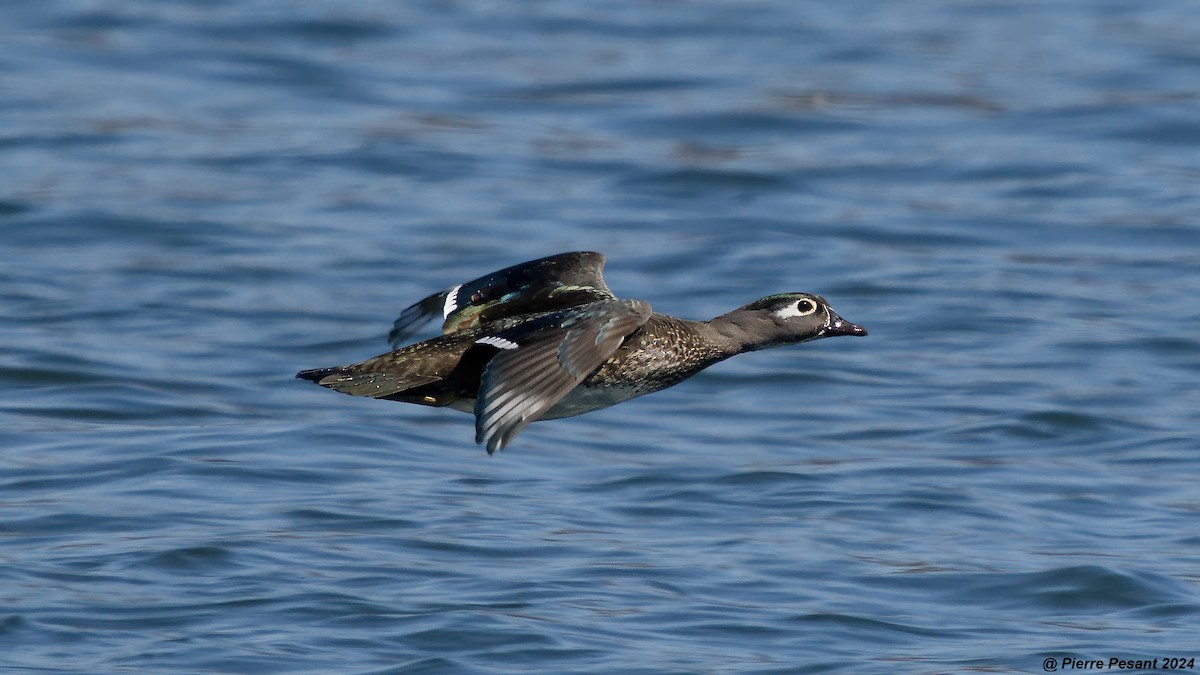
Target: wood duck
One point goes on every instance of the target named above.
(547, 339)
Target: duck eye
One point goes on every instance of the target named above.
(805, 307)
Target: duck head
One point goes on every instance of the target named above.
(786, 318)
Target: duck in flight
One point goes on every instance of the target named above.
(546, 339)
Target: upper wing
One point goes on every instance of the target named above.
(541, 360)
(544, 285)
(415, 316)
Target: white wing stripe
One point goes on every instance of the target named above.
(496, 341)
(451, 301)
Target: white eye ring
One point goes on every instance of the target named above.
(802, 307)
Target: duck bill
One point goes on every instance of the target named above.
(839, 326)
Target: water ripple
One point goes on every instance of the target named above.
(202, 199)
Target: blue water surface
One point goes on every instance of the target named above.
(198, 199)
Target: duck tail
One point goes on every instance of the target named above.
(355, 381)
(318, 374)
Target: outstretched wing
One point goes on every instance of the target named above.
(544, 285)
(415, 316)
(541, 360)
